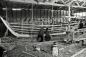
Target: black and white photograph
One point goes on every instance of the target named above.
(42, 28)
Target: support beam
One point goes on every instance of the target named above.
(62, 5)
(77, 3)
(6, 32)
(78, 6)
(68, 1)
(69, 13)
(63, 2)
(32, 13)
(71, 2)
(52, 17)
(69, 16)
(49, 3)
(83, 3)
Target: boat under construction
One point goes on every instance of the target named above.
(23, 24)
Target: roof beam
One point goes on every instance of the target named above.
(67, 1)
(23, 1)
(83, 3)
(78, 7)
(63, 2)
(62, 5)
(54, 4)
(77, 3)
(71, 2)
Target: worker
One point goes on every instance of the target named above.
(40, 35)
(80, 25)
(47, 35)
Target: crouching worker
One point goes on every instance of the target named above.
(40, 35)
(47, 35)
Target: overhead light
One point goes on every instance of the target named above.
(4, 8)
(81, 0)
(16, 9)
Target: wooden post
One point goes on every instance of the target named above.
(22, 25)
(32, 12)
(52, 17)
(6, 20)
(52, 10)
(69, 17)
(32, 23)
(73, 35)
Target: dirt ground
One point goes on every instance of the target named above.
(24, 47)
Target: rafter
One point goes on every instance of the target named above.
(83, 3)
(63, 2)
(67, 1)
(55, 4)
(77, 3)
(71, 2)
(74, 4)
(80, 3)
